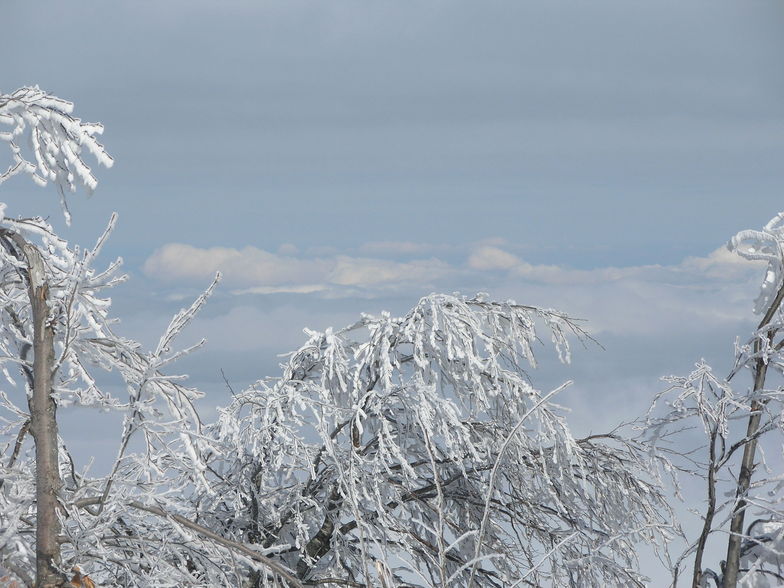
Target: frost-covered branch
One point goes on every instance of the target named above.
(377, 455)
(42, 125)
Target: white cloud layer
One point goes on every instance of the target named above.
(255, 270)
(714, 289)
(697, 294)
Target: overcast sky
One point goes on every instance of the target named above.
(341, 157)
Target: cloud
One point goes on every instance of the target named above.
(695, 294)
(249, 266)
(492, 258)
(352, 271)
(253, 270)
(303, 289)
(721, 263)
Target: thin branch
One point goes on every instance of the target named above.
(275, 567)
(494, 473)
(18, 445)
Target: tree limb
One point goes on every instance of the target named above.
(273, 566)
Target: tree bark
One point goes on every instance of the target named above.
(43, 424)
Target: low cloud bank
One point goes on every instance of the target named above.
(253, 269)
(717, 288)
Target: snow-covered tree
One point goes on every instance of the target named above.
(741, 459)
(415, 451)
(34, 299)
(56, 337)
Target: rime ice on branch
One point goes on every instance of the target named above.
(415, 451)
(43, 124)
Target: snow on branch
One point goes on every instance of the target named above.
(765, 245)
(55, 139)
(415, 451)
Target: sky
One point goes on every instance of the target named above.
(332, 158)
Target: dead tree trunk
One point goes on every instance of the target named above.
(43, 420)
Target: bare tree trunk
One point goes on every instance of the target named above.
(744, 481)
(43, 424)
(749, 451)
